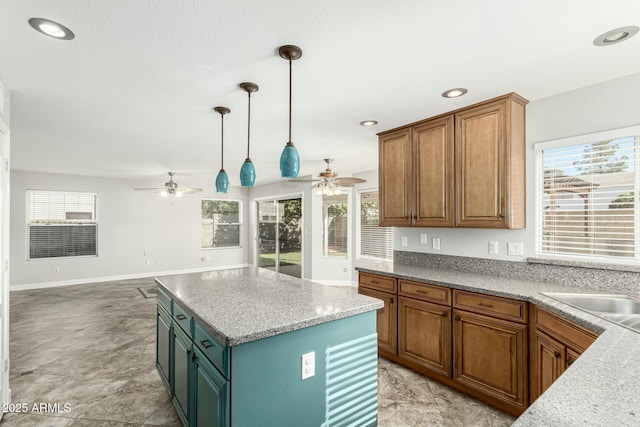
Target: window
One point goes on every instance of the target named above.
(61, 224)
(587, 190)
(374, 241)
(336, 225)
(220, 223)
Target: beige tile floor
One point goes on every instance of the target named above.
(92, 346)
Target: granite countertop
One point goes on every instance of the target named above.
(602, 388)
(246, 304)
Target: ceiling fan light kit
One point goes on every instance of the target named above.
(290, 159)
(222, 180)
(248, 170)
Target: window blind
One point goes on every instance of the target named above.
(61, 224)
(375, 241)
(587, 199)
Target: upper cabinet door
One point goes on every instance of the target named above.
(395, 186)
(481, 156)
(433, 152)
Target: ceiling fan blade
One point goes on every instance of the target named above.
(189, 190)
(304, 180)
(149, 189)
(349, 182)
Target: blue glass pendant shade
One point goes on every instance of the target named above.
(222, 182)
(247, 174)
(289, 161)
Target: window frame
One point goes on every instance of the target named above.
(28, 225)
(633, 131)
(359, 255)
(239, 224)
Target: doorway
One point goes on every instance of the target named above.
(279, 235)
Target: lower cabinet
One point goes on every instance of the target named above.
(424, 331)
(211, 393)
(181, 370)
(558, 343)
(490, 356)
(163, 346)
(386, 320)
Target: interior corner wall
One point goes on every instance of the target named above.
(129, 223)
(605, 106)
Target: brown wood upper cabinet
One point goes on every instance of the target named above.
(465, 168)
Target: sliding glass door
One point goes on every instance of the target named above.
(280, 235)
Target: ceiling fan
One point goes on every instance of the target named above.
(171, 188)
(329, 183)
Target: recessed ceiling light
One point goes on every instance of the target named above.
(368, 123)
(51, 28)
(454, 93)
(616, 35)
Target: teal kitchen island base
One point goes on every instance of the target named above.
(241, 364)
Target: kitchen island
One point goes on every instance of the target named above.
(231, 344)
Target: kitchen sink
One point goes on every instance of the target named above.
(618, 308)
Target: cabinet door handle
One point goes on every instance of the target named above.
(390, 300)
(204, 344)
(556, 354)
(444, 314)
(193, 356)
(457, 318)
(180, 316)
(415, 217)
(501, 216)
(481, 304)
(570, 361)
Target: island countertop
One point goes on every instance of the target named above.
(246, 304)
(602, 387)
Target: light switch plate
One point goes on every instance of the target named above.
(493, 247)
(424, 238)
(435, 243)
(308, 365)
(404, 242)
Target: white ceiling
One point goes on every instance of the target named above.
(132, 95)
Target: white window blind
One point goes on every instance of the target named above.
(587, 198)
(61, 224)
(374, 241)
(221, 223)
(336, 225)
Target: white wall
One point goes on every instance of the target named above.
(609, 105)
(129, 222)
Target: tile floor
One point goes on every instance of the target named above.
(92, 346)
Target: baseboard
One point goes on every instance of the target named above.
(336, 282)
(42, 285)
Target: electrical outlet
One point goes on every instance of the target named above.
(308, 365)
(423, 239)
(148, 262)
(344, 270)
(515, 248)
(404, 242)
(57, 269)
(146, 253)
(435, 243)
(493, 247)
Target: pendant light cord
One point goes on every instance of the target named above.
(290, 90)
(222, 139)
(249, 126)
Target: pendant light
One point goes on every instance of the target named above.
(289, 159)
(222, 180)
(248, 171)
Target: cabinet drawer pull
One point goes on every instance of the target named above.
(458, 318)
(180, 316)
(556, 354)
(375, 282)
(481, 304)
(420, 291)
(204, 344)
